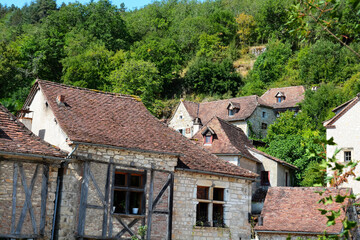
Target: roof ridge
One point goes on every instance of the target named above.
(229, 99)
(272, 157)
(134, 97)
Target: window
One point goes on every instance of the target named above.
(263, 126)
(181, 131)
(210, 209)
(208, 139)
(129, 197)
(265, 178)
(264, 115)
(286, 179)
(231, 112)
(280, 99)
(347, 156)
(277, 114)
(180, 116)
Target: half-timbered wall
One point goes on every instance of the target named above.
(27, 193)
(237, 197)
(88, 191)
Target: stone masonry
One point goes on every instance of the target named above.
(237, 206)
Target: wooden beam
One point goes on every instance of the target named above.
(97, 187)
(83, 199)
(27, 204)
(151, 193)
(126, 227)
(13, 214)
(44, 193)
(171, 205)
(132, 223)
(161, 193)
(107, 190)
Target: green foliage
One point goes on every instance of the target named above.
(318, 104)
(268, 68)
(206, 76)
(137, 77)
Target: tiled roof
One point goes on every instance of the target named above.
(345, 107)
(95, 117)
(207, 110)
(293, 95)
(295, 209)
(229, 139)
(16, 138)
(273, 158)
(192, 108)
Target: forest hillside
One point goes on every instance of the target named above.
(188, 49)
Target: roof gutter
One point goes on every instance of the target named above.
(290, 232)
(129, 149)
(59, 185)
(214, 173)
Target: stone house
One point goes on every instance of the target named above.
(231, 144)
(249, 113)
(293, 213)
(129, 170)
(344, 128)
(284, 99)
(28, 180)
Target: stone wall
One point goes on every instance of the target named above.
(257, 118)
(123, 160)
(237, 197)
(6, 193)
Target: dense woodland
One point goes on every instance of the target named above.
(182, 48)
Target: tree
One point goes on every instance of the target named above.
(246, 28)
(137, 77)
(206, 76)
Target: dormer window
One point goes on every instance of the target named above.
(280, 97)
(233, 108)
(208, 134)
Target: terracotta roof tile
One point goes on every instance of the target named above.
(293, 95)
(247, 104)
(16, 138)
(295, 209)
(192, 108)
(229, 139)
(96, 117)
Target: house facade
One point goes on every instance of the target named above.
(284, 99)
(231, 144)
(128, 171)
(249, 113)
(293, 213)
(28, 180)
(252, 114)
(343, 128)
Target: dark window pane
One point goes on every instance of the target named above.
(265, 181)
(119, 201)
(202, 214)
(202, 192)
(120, 179)
(218, 215)
(219, 194)
(136, 180)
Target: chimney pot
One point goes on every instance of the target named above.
(61, 98)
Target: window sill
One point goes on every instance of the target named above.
(123, 215)
(210, 228)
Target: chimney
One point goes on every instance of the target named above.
(60, 99)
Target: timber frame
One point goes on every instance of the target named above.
(107, 202)
(38, 228)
